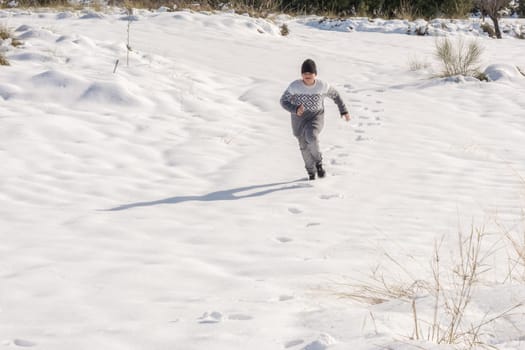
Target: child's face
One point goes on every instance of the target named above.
(309, 78)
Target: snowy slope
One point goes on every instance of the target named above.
(164, 205)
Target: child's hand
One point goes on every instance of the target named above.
(346, 116)
(300, 111)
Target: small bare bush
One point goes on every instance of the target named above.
(406, 10)
(457, 8)
(450, 292)
(383, 287)
(284, 29)
(416, 64)
(516, 240)
(456, 298)
(487, 28)
(459, 58)
(3, 60)
(16, 42)
(5, 33)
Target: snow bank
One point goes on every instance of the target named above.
(108, 93)
(229, 23)
(503, 72)
(511, 28)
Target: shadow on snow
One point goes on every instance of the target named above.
(225, 195)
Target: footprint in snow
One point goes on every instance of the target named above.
(285, 297)
(23, 343)
(360, 138)
(240, 317)
(216, 317)
(331, 196)
(295, 210)
(336, 162)
(283, 239)
(293, 343)
(333, 147)
(213, 317)
(310, 224)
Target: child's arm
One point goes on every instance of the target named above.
(334, 95)
(286, 102)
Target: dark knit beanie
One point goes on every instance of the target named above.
(308, 67)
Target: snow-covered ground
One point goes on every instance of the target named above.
(162, 204)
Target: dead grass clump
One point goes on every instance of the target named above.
(454, 299)
(450, 292)
(5, 33)
(406, 10)
(459, 58)
(3, 60)
(16, 42)
(284, 29)
(380, 288)
(516, 258)
(487, 28)
(415, 64)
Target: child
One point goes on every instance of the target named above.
(304, 99)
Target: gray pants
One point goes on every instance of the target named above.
(309, 145)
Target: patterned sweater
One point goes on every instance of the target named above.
(312, 99)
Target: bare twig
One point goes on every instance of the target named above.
(414, 313)
(128, 46)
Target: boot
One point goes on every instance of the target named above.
(320, 170)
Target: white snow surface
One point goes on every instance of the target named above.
(163, 204)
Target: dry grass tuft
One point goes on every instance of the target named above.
(487, 28)
(379, 289)
(284, 29)
(5, 33)
(516, 255)
(16, 42)
(415, 64)
(406, 10)
(451, 291)
(3, 60)
(459, 58)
